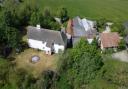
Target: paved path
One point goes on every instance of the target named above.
(122, 56)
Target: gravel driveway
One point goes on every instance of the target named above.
(122, 56)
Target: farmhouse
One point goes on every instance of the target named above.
(78, 28)
(109, 40)
(47, 40)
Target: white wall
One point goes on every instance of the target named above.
(68, 36)
(38, 45)
(90, 41)
(101, 46)
(42, 46)
(58, 47)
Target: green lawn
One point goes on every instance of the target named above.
(46, 62)
(113, 75)
(115, 10)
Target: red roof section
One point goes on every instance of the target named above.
(110, 39)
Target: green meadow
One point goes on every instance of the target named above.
(113, 10)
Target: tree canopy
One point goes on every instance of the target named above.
(80, 66)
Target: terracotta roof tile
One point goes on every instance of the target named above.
(110, 39)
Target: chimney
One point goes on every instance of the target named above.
(38, 26)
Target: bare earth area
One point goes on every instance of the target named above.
(122, 56)
(46, 62)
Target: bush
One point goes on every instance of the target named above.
(115, 72)
(118, 27)
(122, 45)
(80, 65)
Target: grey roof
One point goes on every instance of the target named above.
(46, 35)
(78, 29)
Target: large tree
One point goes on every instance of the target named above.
(63, 14)
(79, 66)
(35, 18)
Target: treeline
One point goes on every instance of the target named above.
(15, 15)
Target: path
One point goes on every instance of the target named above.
(122, 56)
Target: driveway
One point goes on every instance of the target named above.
(122, 56)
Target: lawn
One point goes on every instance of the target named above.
(113, 75)
(46, 62)
(115, 10)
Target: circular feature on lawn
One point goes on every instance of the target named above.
(35, 59)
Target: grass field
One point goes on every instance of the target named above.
(113, 75)
(115, 10)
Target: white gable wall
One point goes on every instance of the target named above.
(58, 47)
(90, 41)
(38, 45)
(88, 24)
(101, 45)
(85, 24)
(42, 46)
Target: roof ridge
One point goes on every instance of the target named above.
(45, 29)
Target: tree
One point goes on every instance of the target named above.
(80, 65)
(118, 27)
(48, 21)
(12, 37)
(47, 12)
(101, 22)
(35, 18)
(18, 14)
(9, 36)
(10, 13)
(122, 44)
(24, 13)
(63, 14)
(2, 30)
(95, 42)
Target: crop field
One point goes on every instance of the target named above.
(113, 10)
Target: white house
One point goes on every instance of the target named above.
(47, 40)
